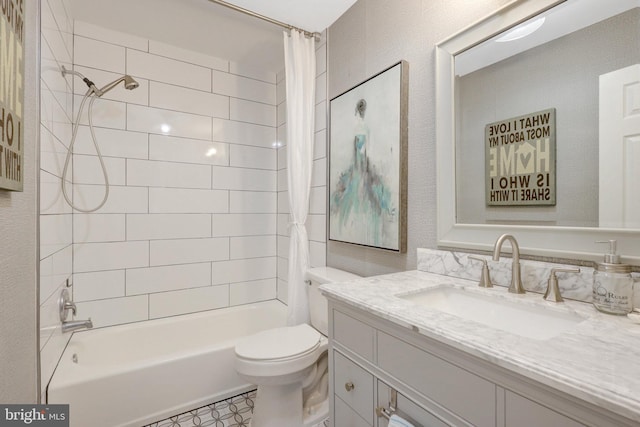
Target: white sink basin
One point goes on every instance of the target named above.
(527, 320)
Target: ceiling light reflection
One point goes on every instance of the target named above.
(522, 30)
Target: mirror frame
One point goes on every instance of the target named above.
(573, 243)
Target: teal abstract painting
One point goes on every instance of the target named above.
(367, 162)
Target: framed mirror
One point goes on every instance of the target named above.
(538, 129)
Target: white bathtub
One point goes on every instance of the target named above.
(134, 374)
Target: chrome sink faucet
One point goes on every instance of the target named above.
(516, 280)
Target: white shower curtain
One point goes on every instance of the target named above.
(300, 74)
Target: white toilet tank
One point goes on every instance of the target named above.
(318, 307)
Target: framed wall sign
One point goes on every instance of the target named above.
(520, 160)
(368, 162)
(12, 94)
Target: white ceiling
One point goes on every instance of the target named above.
(309, 15)
(209, 28)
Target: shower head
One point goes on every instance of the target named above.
(129, 84)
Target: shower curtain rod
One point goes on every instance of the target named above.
(265, 18)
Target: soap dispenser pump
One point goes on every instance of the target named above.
(612, 284)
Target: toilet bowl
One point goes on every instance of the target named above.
(290, 365)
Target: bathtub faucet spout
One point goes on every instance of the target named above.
(76, 324)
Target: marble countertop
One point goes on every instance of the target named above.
(597, 361)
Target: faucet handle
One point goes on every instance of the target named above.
(70, 305)
(485, 279)
(65, 304)
(553, 290)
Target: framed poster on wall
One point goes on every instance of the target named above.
(520, 160)
(12, 94)
(368, 162)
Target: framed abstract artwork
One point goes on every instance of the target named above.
(368, 162)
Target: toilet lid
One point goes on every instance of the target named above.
(279, 343)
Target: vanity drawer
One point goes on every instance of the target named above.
(354, 334)
(520, 411)
(465, 394)
(347, 417)
(354, 386)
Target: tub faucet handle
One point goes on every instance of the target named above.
(70, 305)
(485, 278)
(65, 304)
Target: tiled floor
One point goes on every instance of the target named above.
(233, 412)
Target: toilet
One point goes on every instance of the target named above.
(290, 364)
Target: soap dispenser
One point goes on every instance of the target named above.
(612, 284)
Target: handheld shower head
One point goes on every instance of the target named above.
(129, 84)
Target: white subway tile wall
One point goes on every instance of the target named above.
(56, 226)
(184, 150)
(316, 219)
(236, 271)
(167, 70)
(167, 278)
(244, 224)
(189, 56)
(191, 219)
(165, 304)
(99, 285)
(178, 98)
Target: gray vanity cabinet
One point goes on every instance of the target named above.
(437, 384)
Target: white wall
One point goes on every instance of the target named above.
(18, 251)
(55, 215)
(316, 219)
(369, 37)
(181, 231)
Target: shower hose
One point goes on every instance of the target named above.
(90, 94)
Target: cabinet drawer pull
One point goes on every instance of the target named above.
(349, 386)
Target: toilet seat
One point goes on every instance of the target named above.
(279, 343)
(279, 351)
